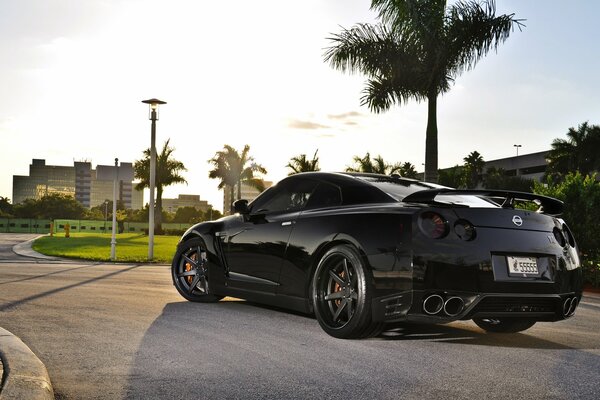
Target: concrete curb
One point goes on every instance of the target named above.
(25, 376)
(24, 249)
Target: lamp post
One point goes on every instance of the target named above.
(517, 146)
(113, 240)
(105, 214)
(154, 103)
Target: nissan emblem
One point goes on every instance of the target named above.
(517, 220)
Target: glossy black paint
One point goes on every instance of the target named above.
(270, 256)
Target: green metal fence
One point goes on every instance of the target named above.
(20, 225)
(24, 225)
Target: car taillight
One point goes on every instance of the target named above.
(568, 235)
(464, 230)
(558, 235)
(433, 225)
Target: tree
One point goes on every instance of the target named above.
(51, 206)
(473, 168)
(452, 177)
(408, 170)
(104, 210)
(233, 169)
(375, 166)
(168, 172)
(416, 52)
(579, 152)
(186, 215)
(581, 195)
(6, 208)
(301, 164)
(497, 178)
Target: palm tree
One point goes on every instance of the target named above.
(301, 164)
(474, 164)
(408, 170)
(375, 166)
(580, 152)
(167, 173)
(417, 51)
(235, 169)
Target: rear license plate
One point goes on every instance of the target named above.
(522, 266)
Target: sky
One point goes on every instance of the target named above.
(74, 72)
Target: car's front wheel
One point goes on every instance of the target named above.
(190, 272)
(341, 294)
(504, 325)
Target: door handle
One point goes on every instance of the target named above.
(286, 223)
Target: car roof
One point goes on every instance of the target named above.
(354, 178)
(355, 188)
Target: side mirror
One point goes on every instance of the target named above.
(241, 206)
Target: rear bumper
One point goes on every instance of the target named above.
(448, 306)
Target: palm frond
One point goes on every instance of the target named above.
(472, 30)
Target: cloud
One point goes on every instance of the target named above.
(344, 115)
(298, 124)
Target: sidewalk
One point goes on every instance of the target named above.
(24, 376)
(24, 249)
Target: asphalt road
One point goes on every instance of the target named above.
(109, 331)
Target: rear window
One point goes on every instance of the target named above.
(399, 188)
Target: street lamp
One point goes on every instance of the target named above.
(154, 103)
(105, 214)
(113, 240)
(517, 146)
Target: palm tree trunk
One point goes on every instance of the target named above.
(239, 188)
(158, 210)
(431, 139)
(231, 199)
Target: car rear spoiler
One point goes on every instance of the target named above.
(505, 198)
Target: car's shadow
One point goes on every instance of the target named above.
(458, 332)
(224, 348)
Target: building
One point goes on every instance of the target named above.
(528, 166)
(185, 200)
(248, 193)
(90, 187)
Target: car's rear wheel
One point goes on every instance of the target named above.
(190, 272)
(504, 325)
(342, 293)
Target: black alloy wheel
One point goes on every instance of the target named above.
(504, 325)
(342, 294)
(190, 272)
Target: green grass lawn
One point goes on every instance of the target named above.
(131, 247)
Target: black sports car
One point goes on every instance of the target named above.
(362, 250)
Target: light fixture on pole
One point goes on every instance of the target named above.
(517, 146)
(113, 240)
(154, 103)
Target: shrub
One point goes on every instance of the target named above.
(581, 195)
(591, 272)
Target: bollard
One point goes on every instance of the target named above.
(67, 230)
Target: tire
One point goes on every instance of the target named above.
(504, 325)
(190, 272)
(341, 294)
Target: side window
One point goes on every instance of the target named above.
(325, 195)
(293, 195)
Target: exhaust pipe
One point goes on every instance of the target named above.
(453, 306)
(574, 304)
(569, 306)
(433, 304)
